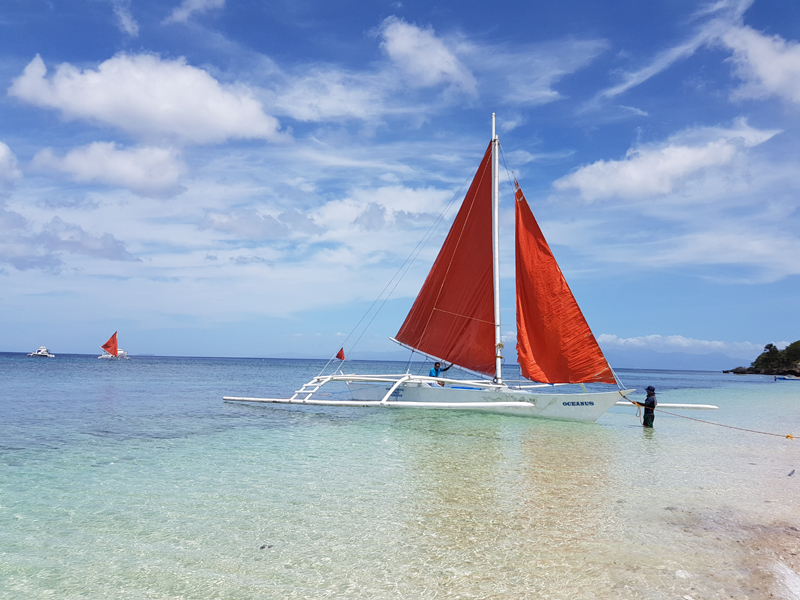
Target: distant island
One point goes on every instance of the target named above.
(774, 362)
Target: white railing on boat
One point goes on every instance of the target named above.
(305, 394)
(404, 378)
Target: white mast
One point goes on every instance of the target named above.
(498, 343)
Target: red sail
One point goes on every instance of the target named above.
(453, 315)
(111, 345)
(554, 342)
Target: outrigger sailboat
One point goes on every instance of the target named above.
(456, 318)
(111, 350)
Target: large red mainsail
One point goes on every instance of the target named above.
(111, 345)
(554, 342)
(453, 315)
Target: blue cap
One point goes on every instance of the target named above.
(650, 388)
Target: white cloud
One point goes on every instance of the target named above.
(722, 16)
(182, 13)
(373, 217)
(9, 173)
(732, 9)
(652, 170)
(421, 61)
(248, 223)
(149, 98)
(332, 95)
(660, 63)
(634, 111)
(371, 223)
(731, 224)
(769, 65)
(24, 248)
(644, 172)
(524, 75)
(125, 21)
(679, 343)
(58, 235)
(423, 58)
(403, 199)
(758, 243)
(147, 171)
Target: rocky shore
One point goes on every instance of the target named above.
(774, 362)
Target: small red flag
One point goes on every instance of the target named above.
(340, 354)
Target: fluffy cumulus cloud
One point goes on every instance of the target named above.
(182, 13)
(145, 171)
(423, 58)
(769, 65)
(657, 169)
(150, 98)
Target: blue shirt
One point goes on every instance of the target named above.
(434, 372)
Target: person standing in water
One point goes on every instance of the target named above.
(437, 370)
(649, 406)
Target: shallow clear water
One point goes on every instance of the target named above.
(133, 479)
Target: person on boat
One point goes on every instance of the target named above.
(649, 406)
(437, 370)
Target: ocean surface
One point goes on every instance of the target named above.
(133, 479)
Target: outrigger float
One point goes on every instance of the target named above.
(416, 391)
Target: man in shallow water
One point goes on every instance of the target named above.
(437, 370)
(649, 404)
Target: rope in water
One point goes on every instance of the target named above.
(666, 412)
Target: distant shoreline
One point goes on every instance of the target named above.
(754, 371)
(367, 360)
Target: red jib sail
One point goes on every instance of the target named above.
(453, 315)
(554, 342)
(111, 345)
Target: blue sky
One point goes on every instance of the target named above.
(229, 178)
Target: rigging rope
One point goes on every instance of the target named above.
(399, 274)
(666, 412)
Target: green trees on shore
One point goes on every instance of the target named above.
(773, 359)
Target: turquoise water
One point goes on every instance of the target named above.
(133, 479)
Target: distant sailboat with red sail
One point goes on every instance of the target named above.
(456, 318)
(111, 350)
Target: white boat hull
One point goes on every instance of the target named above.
(571, 407)
(408, 391)
(42, 352)
(120, 354)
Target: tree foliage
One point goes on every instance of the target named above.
(772, 358)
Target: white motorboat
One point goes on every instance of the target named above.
(43, 352)
(456, 318)
(111, 351)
